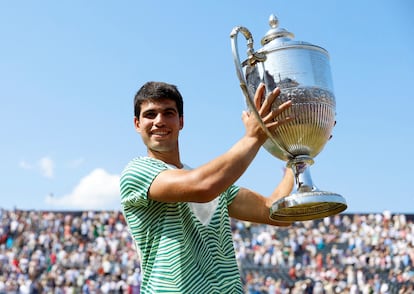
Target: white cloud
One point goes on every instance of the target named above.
(46, 166)
(98, 190)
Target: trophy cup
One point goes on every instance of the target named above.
(302, 72)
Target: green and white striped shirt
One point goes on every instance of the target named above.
(180, 251)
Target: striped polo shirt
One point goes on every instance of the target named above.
(182, 248)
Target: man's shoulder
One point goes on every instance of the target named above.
(138, 175)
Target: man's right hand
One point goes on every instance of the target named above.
(270, 118)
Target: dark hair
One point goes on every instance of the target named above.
(157, 90)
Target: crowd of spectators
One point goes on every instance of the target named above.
(92, 252)
(358, 254)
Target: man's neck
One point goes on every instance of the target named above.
(169, 158)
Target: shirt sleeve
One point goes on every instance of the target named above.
(232, 193)
(136, 180)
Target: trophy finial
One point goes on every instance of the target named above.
(275, 31)
(273, 21)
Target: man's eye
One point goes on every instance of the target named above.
(150, 115)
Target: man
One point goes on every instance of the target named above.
(178, 216)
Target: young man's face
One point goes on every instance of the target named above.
(159, 125)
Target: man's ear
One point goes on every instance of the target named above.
(181, 122)
(137, 124)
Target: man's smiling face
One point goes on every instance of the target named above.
(159, 124)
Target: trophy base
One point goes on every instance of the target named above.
(307, 206)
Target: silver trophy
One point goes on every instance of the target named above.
(302, 72)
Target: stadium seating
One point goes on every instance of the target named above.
(92, 252)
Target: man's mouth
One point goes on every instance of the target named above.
(160, 133)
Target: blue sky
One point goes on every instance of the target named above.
(69, 71)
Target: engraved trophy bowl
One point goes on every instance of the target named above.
(302, 72)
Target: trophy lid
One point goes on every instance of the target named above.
(276, 32)
(279, 38)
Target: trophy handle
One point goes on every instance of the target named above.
(252, 60)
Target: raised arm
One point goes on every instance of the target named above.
(206, 182)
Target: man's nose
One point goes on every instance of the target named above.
(159, 119)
